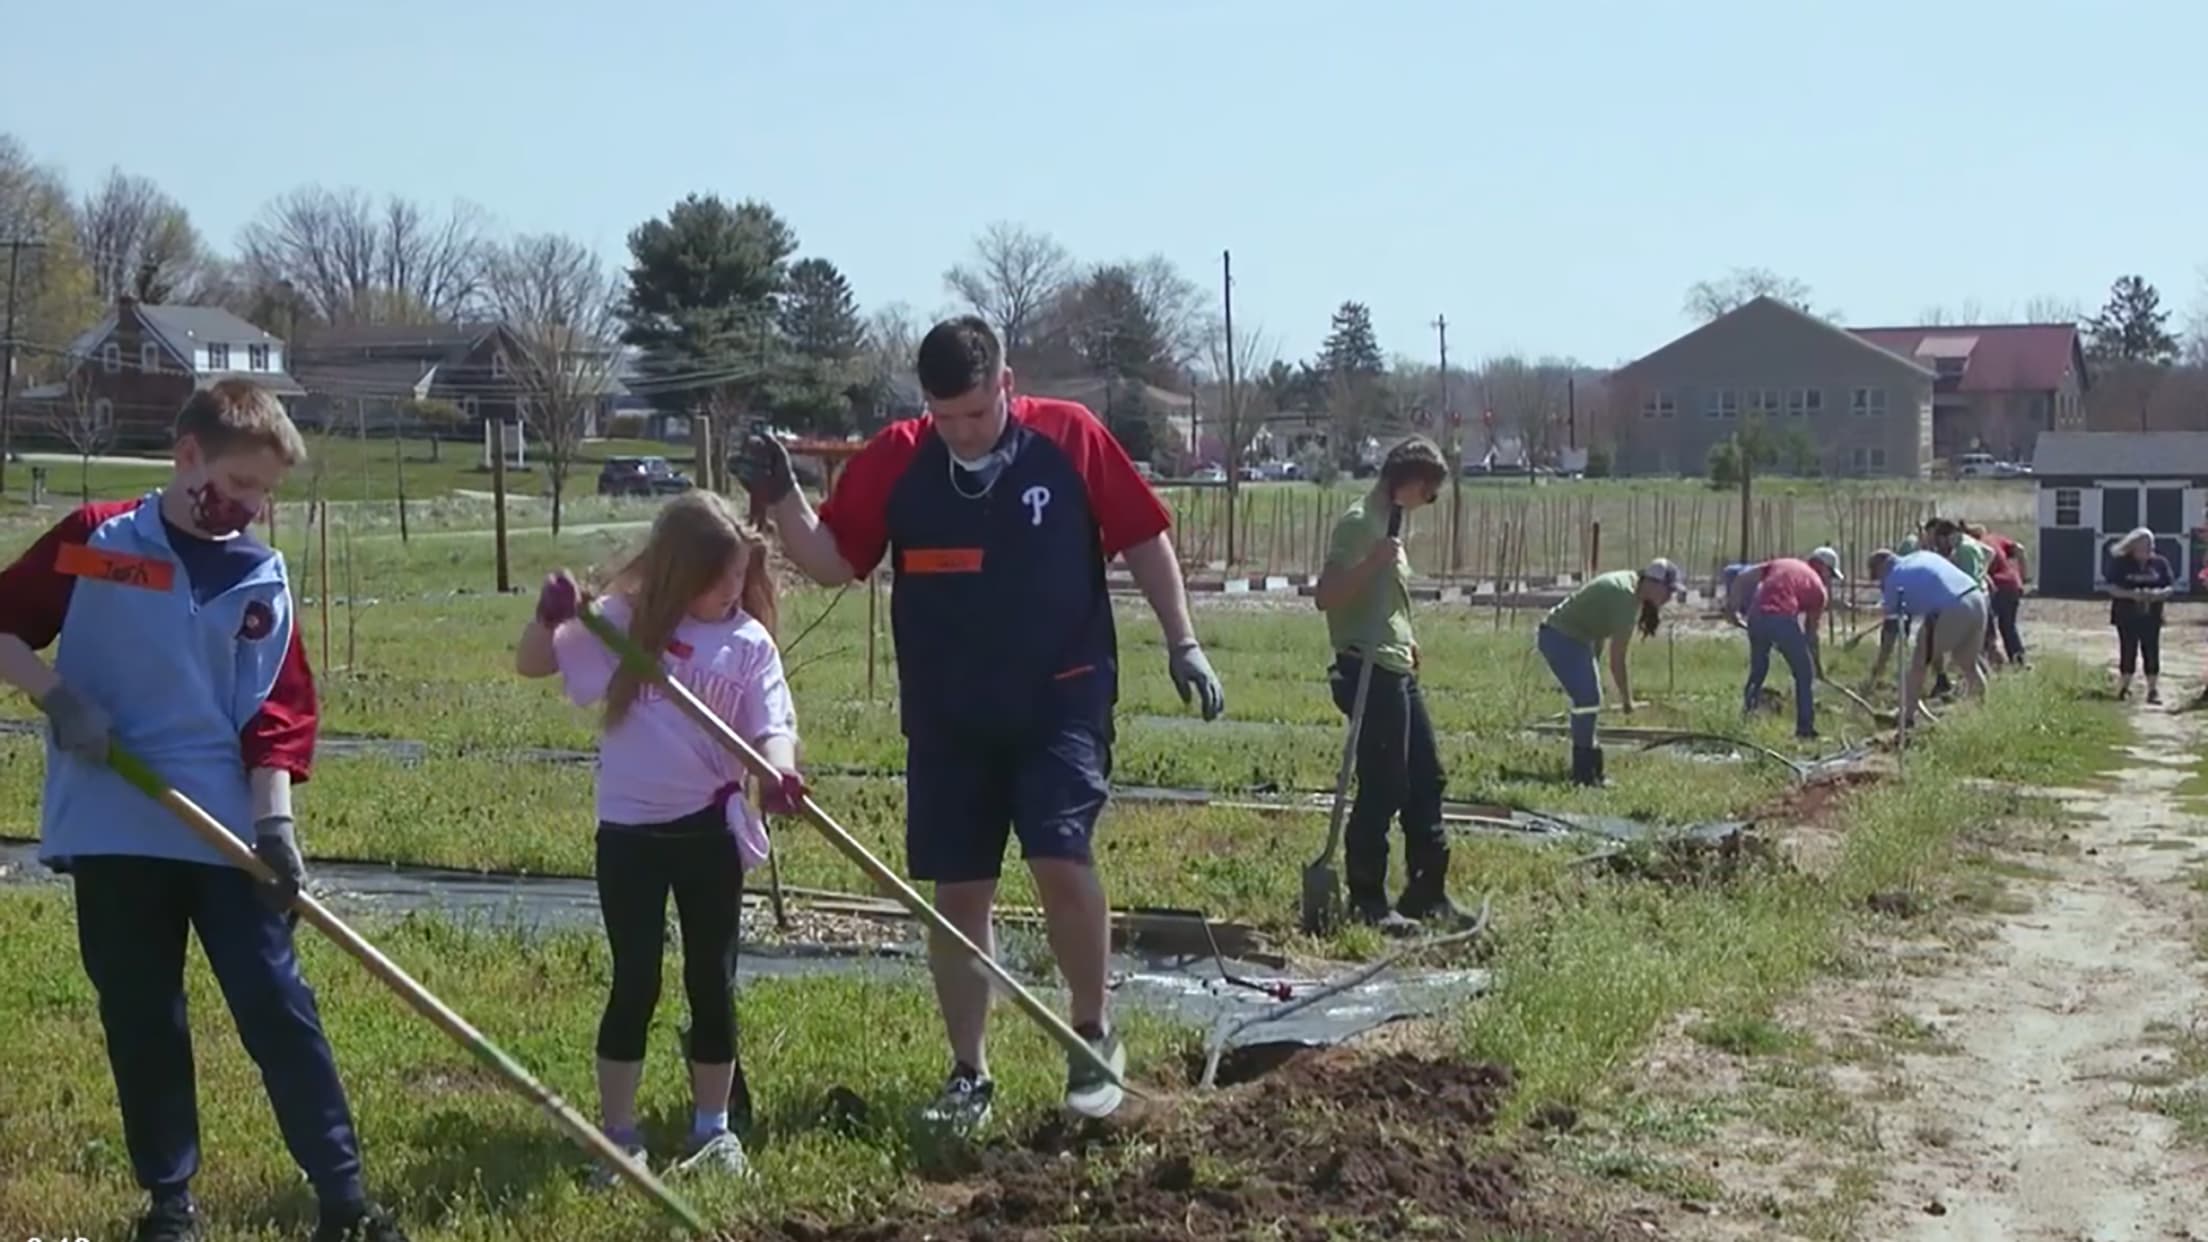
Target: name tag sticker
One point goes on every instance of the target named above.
(943, 560)
(82, 561)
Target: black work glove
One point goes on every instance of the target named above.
(763, 467)
(276, 844)
(1192, 676)
(79, 727)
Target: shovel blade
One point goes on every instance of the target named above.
(1321, 899)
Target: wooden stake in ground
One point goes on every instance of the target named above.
(323, 522)
(318, 916)
(498, 501)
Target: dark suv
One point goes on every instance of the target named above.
(640, 476)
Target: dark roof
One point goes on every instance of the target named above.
(2121, 454)
(427, 339)
(206, 324)
(2001, 357)
(363, 377)
(1766, 306)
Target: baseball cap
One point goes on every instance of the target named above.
(1830, 559)
(1662, 570)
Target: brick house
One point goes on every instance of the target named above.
(389, 376)
(1996, 386)
(136, 368)
(1867, 410)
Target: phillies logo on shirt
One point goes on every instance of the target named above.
(1036, 499)
(259, 621)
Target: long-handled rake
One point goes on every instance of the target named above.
(888, 881)
(585, 1135)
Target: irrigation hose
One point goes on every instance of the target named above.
(233, 849)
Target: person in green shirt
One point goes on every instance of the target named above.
(1365, 593)
(1605, 609)
(1971, 556)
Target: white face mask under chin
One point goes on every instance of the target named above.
(986, 468)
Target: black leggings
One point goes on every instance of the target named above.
(2139, 641)
(696, 858)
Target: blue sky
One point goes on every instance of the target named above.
(1551, 177)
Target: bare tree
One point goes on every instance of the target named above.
(1715, 299)
(1241, 413)
(2053, 308)
(560, 303)
(85, 421)
(1527, 398)
(137, 240)
(351, 261)
(1181, 311)
(1014, 274)
(892, 343)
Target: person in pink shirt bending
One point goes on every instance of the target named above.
(672, 815)
(1784, 613)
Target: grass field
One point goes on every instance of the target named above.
(1590, 961)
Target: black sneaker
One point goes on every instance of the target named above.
(168, 1220)
(963, 1105)
(2154, 697)
(368, 1224)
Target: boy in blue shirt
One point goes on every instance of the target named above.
(178, 644)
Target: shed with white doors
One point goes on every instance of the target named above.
(2097, 486)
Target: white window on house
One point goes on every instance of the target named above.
(2069, 506)
(1859, 460)
(149, 358)
(1868, 403)
(1660, 405)
(256, 357)
(1721, 403)
(111, 358)
(1949, 368)
(218, 357)
(1878, 459)
(1805, 403)
(468, 408)
(498, 365)
(1763, 403)
(103, 417)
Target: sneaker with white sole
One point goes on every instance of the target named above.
(602, 1176)
(963, 1105)
(1089, 1090)
(721, 1152)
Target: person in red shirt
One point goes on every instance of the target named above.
(2006, 574)
(999, 513)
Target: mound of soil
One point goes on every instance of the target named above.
(1813, 802)
(1331, 1145)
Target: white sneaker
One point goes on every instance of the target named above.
(721, 1153)
(1090, 1092)
(604, 1178)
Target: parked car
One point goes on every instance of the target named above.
(640, 476)
(1278, 470)
(1210, 474)
(2011, 470)
(1252, 474)
(1147, 471)
(1975, 466)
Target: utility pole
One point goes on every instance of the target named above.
(16, 247)
(1456, 459)
(1571, 411)
(1233, 411)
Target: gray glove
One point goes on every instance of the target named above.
(80, 727)
(276, 844)
(763, 467)
(1192, 676)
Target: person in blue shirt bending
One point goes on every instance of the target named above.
(1952, 609)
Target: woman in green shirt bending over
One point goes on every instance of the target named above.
(1365, 593)
(1603, 610)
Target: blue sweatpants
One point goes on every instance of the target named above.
(1573, 662)
(1784, 631)
(134, 919)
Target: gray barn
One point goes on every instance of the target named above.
(2095, 486)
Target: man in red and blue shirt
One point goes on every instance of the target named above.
(1000, 513)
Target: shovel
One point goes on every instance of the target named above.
(1322, 882)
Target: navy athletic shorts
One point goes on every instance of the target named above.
(964, 797)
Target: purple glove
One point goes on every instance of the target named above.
(557, 601)
(785, 796)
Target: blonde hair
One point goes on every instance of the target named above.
(239, 414)
(695, 539)
(2138, 536)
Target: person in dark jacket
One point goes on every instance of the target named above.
(2139, 579)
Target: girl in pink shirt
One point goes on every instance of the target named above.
(672, 815)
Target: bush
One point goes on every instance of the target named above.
(1319, 465)
(1598, 462)
(1725, 464)
(626, 427)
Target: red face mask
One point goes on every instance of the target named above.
(219, 515)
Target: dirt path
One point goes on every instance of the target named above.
(2045, 1034)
